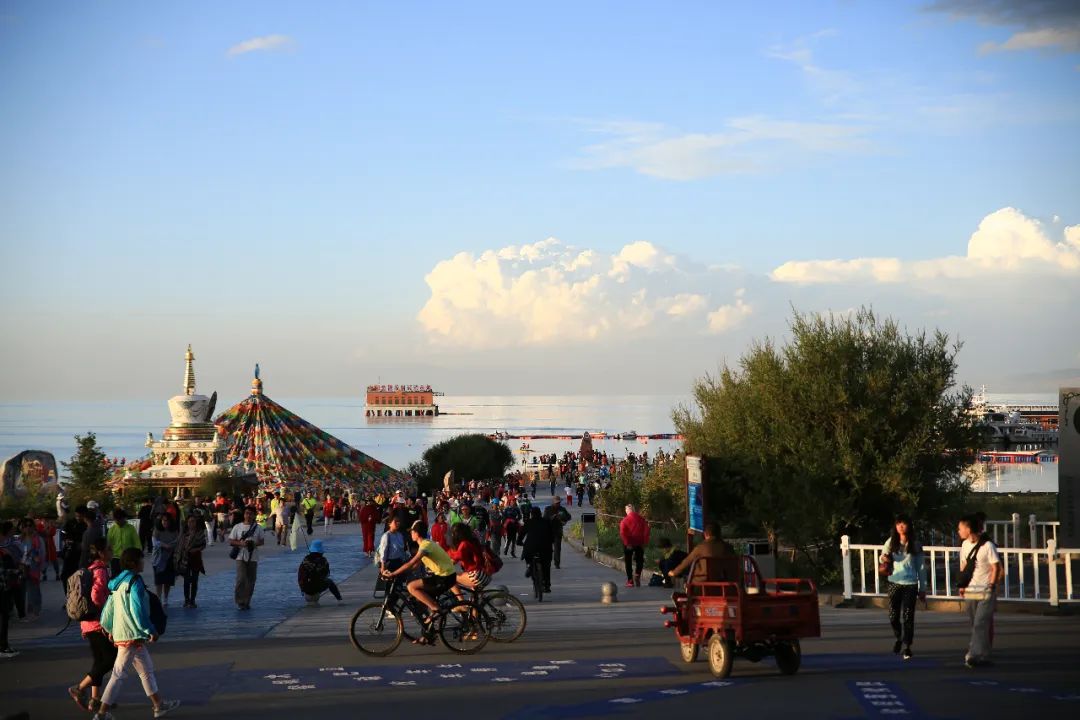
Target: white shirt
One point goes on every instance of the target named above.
(988, 555)
(237, 533)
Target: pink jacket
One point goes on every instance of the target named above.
(99, 593)
(634, 530)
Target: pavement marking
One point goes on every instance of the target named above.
(614, 705)
(883, 699)
(1069, 695)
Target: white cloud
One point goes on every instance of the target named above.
(1006, 242)
(728, 317)
(1049, 25)
(549, 293)
(1058, 39)
(746, 144)
(829, 84)
(266, 42)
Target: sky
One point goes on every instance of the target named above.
(495, 198)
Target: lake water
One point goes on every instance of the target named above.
(121, 427)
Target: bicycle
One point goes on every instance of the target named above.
(503, 613)
(536, 570)
(376, 629)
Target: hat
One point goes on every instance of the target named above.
(92, 505)
(316, 546)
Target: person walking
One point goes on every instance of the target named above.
(634, 533)
(121, 536)
(71, 536)
(62, 507)
(536, 542)
(369, 518)
(558, 516)
(146, 527)
(102, 651)
(903, 556)
(328, 515)
(281, 522)
(46, 527)
(980, 573)
(189, 561)
(247, 537)
(307, 506)
(163, 558)
(10, 583)
(126, 619)
(33, 561)
(95, 528)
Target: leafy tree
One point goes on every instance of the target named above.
(470, 456)
(624, 490)
(419, 471)
(218, 481)
(87, 471)
(850, 422)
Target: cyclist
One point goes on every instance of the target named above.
(465, 549)
(426, 589)
(537, 543)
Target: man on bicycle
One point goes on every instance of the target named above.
(443, 573)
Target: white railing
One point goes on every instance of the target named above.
(1042, 532)
(1041, 575)
(1009, 533)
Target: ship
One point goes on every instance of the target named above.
(400, 401)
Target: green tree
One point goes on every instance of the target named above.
(87, 471)
(218, 481)
(624, 490)
(850, 422)
(470, 456)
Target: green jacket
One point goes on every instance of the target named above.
(122, 537)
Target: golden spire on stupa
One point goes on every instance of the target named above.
(189, 371)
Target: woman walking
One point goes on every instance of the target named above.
(126, 619)
(902, 556)
(189, 562)
(102, 650)
(163, 559)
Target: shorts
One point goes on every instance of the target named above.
(436, 585)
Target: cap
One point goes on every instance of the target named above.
(92, 505)
(316, 546)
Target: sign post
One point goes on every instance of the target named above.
(1069, 467)
(695, 498)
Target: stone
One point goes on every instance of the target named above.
(37, 465)
(609, 593)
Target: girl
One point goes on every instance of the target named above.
(165, 538)
(439, 530)
(328, 515)
(189, 561)
(465, 549)
(102, 650)
(906, 581)
(126, 620)
(33, 547)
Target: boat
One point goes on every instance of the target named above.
(629, 435)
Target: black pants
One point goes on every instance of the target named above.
(5, 618)
(556, 549)
(635, 554)
(333, 588)
(545, 571)
(309, 516)
(18, 596)
(104, 654)
(902, 610)
(191, 584)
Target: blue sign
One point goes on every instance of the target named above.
(695, 494)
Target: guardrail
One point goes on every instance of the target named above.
(1008, 533)
(1035, 575)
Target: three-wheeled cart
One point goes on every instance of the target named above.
(736, 612)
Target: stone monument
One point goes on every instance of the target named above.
(1069, 467)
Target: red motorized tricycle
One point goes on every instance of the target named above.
(737, 612)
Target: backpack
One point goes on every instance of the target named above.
(78, 605)
(969, 567)
(492, 563)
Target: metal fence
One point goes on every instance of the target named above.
(1035, 575)
(1013, 533)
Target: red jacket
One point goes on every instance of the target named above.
(468, 554)
(369, 515)
(438, 535)
(99, 593)
(634, 530)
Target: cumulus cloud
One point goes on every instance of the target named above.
(1049, 25)
(548, 293)
(264, 43)
(1006, 242)
(728, 317)
(745, 144)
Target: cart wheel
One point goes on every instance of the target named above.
(720, 655)
(689, 651)
(789, 657)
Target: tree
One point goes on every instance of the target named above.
(850, 422)
(219, 481)
(419, 471)
(87, 471)
(470, 456)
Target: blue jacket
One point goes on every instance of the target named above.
(126, 615)
(908, 569)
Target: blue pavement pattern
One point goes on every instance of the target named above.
(277, 596)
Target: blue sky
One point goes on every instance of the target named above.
(280, 182)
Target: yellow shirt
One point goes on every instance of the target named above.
(435, 559)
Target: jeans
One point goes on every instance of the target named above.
(128, 657)
(902, 611)
(33, 597)
(635, 554)
(556, 549)
(191, 584)
(981, 613)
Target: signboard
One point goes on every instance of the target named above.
(695, 493)
(1069, 468)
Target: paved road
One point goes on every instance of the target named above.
(577, 659)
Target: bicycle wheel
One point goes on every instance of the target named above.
(538, 581)
(464, 628)
(410, 625)
(375, 631)
(505, 616)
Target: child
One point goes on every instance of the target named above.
(439, 530)
(126, 619)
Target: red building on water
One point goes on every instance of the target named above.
(401, 401)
